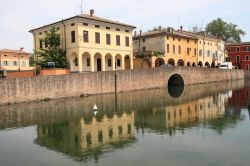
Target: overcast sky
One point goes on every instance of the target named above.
(17, 17)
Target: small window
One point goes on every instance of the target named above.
(238, 59)
(188, 51)
(97, 38)
(110, 133)
(179, 39)
(5, 55)
(88, 139)
(73, 24)
(100, 136)
(97, 26)
(85, 36)
(108, 39)
(247, 57)
(40, 43)
(58, 28)
(108, 28)
(76, 61)
(173, 49)
(168, 50)
(229, 49)
(46, 44)
(143, 40)
(247, 67)
(5, 63)
(85, 24)
(88, 62)
(129, 129)
(117, 29)
(118, 40)
(238, 49)
(195, 51)
(120, 130)
(127, 41)
(127, 31)
(144, 49)
(188, 40)
(40, 33)
(73, 36)
(179, 49)
(14, 63)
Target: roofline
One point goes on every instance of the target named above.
(165, 33)
(84, 18)
(238, 44)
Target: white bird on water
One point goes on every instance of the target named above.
(95, 109)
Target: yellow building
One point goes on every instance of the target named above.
(155, 48)
(92, 43)
(14, 60)
(210, 49)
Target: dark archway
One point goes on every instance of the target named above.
(127, 62)
(176, 80)
(145, 64)
(207, 64)
(213, 65)
(159, 62)
(175, 85)
(200, 64)
(171, 62)
(188, 64)
(194, 65)
(180, 62)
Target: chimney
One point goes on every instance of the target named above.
(92, 12)
(135, 33)
(181, 29)
(140, 32)
(21, 49)
(172, 30)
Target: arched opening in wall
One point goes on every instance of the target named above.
(159, 62)
(74, 62)
(180, 62)
(213, 65)
(86, 63)
(98, 62)
(194, 64)
(200, 64)
(108, 62)
(171, 62)
(127, 62)
(207, 64)
(176, 85)
(118, 62)
(188, 64)
(145, 64)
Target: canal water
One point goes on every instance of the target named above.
(178, 126)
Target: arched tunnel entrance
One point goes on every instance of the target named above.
(175, 85)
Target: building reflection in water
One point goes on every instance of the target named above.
(69, 126)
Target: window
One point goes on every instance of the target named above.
(120, 130)
(110, 133)
(229, 49)
(173, 49)
(188, 40)
(247, 67)
(14, 63)
(173, 38)
(229, 59)
(85, 36)
(129, 128)
(23, 63)
(179, 39)
(40, 33)
(41, 43)
(100, 136)
(118, 40)
(127, 31)
(179, 49)
(108, 39)
(97, 26)
(127, 41)
(85, 24)
(5, 55)
(200, 42)
(143, 40)
(167, 37)
(188, 51)
(108, 28)
(208, 52)
(97, 38)
(247, 57)
(46, 44)
(88, 139)
(118, 63)
(88, 62)
(58, 28)
(144, 49)
(117, 29)
(238, 49)
(109, 62)
(238, 59)
(168, 48)
(5, 63)
(73, 36)
(73, 24)
(195, 51)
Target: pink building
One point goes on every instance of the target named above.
(14, 60)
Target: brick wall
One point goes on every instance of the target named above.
(16, 74)
(74, 85)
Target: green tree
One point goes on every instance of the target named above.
(226, 31)
(32, 60)
(53, 52)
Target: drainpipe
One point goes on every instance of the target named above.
(35, 58)
(65, 44)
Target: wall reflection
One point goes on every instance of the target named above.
(69, 126)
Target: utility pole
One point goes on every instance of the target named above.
(81, 6)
